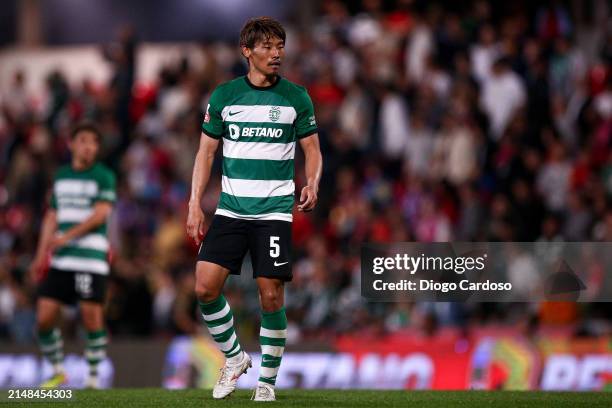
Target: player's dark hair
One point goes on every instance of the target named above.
(260, 29)
(86, 127)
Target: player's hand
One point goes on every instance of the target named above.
(308, 199)
(59, 240)
(195, 224)
(37, 265)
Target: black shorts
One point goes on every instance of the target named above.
(268, 241)
(69, 287)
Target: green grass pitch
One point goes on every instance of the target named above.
(153, 397)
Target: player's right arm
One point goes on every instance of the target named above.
(212, 130)
(49, 226)
(201, 174)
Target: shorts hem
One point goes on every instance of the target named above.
(232, 271)
(281, 278)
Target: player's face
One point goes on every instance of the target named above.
(267, 55)
(84, 147)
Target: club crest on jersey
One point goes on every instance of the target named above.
(207, 115)
(274, 113)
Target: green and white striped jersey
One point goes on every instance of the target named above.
(259, 127)
(74, 196)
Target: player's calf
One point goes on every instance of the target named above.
(51, 346)
(272, 336)
(220, 323)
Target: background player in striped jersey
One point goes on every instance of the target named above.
(74, 233)
(259, 117)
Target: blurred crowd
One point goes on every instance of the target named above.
(481, 123)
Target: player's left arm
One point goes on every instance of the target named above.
(101, 211)
(313, 169)
(103, 206)
(308, 136)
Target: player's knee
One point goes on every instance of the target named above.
(271, 300)
(92, 319)
(46, 315)
(205, 293)
(90, 323)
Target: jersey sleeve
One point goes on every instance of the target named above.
(107, 187)
(305, 123)
(53, 200)
(213, 122)
(51, 195)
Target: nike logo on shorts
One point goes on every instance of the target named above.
(234, 113)
(280, 263)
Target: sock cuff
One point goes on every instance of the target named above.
(96, 334)
(49, 335)
(267, 381)
(213, 306)
(274, 320)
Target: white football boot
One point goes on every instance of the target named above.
(264, 392)
(226, 384)
(92, 382)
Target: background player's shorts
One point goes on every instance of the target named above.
(69, 287)
(269, 242)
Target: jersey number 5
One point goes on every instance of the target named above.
(274, 246)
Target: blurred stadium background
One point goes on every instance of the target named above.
(473, 121)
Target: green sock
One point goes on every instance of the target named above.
(220, 322)
(95, 349)
(51, 346)
(272, 336)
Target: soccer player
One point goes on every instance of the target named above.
(259, 117)
(74, 233)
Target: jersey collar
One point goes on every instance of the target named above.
(262, 88)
